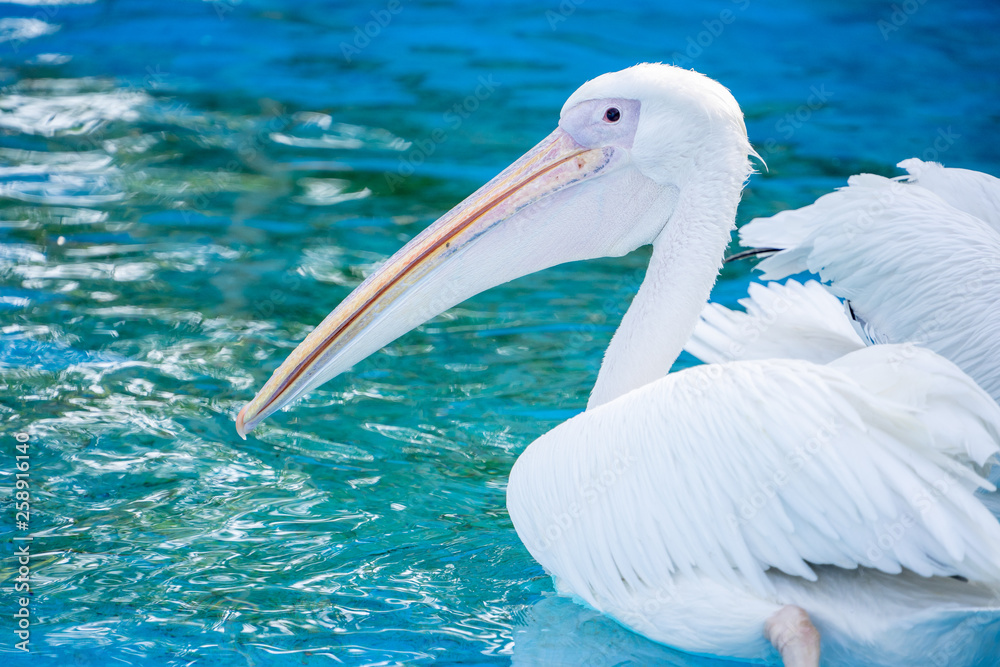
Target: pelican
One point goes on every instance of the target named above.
(759, 509)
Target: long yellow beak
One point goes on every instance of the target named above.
(336, 344)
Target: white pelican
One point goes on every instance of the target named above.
(917, 258)
(744, 509)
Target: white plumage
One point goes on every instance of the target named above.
(784, 321)
(735, 508)
(713, 481)
(908, 609)
(918, 259)
(972, 192)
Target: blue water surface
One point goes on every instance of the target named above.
(187, 187)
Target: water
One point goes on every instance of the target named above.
(187, 187)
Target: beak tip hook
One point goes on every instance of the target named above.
(239, 422)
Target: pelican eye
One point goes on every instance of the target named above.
(612, 115)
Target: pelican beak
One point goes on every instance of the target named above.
(432, 272)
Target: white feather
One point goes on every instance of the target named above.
(899, 620)
(846, 480)
(974, 192)
(734, 472)
(790, 321)
(914, 267)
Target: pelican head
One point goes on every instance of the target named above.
(608, 180)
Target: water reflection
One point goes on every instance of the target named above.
(557, 632)
(187, 188)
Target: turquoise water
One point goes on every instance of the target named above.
(187, 187)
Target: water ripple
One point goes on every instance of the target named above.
(21, 30)
(69, 114)
(182, 201)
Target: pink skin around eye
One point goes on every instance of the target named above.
(588, 124)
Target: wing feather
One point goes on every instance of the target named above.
(732, 471)
(974, 192)
(788, 321)
(919, 261)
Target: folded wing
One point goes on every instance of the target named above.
(730, 471)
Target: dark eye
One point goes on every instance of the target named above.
(612, 115)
